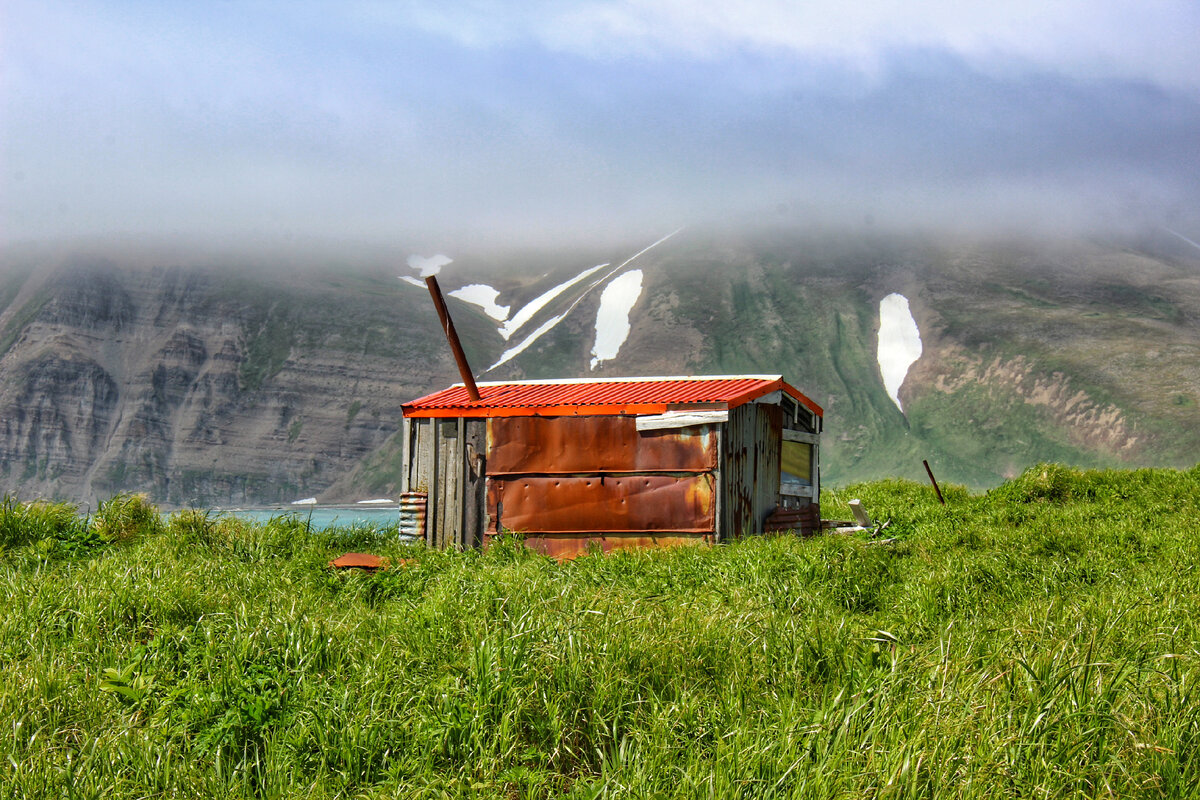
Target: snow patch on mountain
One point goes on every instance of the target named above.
(525, 313)
(538, 303)
(484, 296)
(1181, 236)
(899, 343)
(612, 320)
(513, 352)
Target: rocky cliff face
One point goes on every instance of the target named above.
(225, 386)
(201, 387)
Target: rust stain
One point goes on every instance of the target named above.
(566, 445)
(360, 561)
(646, 503)
(567, 546)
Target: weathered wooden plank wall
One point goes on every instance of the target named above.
(750, 472)
(768, 437)
(474, 517)
(737, 473)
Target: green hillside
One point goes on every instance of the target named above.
(1039, 640)
(1067, 350)
(234, 381)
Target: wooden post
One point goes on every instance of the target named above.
(464, 369)
(933, 480)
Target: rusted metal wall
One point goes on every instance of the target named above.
(565, 481)
(572, 445)
(570, 483)
(582, 504)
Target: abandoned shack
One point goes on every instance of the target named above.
(615, 462)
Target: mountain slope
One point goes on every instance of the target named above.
(217, 382)
(200, 386)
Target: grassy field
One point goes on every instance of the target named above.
(1042, 640)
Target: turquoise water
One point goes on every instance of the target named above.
(321, 517)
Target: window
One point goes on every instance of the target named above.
(796, 468)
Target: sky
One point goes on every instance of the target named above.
(435, 122)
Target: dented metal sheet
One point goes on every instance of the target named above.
(651, 503)
(412, 514)
(564, 546)
(566, 445)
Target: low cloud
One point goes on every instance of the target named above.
(451, 125)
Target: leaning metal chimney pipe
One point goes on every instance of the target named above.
(464, 369)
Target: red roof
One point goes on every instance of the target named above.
(555, 398)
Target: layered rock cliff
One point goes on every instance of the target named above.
(201, 386)
(228, 384)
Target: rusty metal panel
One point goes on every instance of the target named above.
(572, 445)
(364, 561)
(634, 503)
(564, 546)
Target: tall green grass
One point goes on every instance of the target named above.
(1042, 640)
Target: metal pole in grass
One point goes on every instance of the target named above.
(933, 480)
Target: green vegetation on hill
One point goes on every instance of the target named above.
(1040, 640)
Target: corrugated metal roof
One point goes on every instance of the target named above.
(602, 396)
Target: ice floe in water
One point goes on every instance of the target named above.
(484, 296)
(899, 343)
(612, 320)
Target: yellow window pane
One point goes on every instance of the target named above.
(797, 463)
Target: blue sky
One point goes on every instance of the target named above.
(374, 122)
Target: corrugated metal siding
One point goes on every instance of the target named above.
(568, 481)
(750, 472)
(584, 476)
(737, 474)
(768, 439)
(562, 398)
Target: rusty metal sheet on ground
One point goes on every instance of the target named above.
(565, 445)
(632, 503)
(365, 561)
